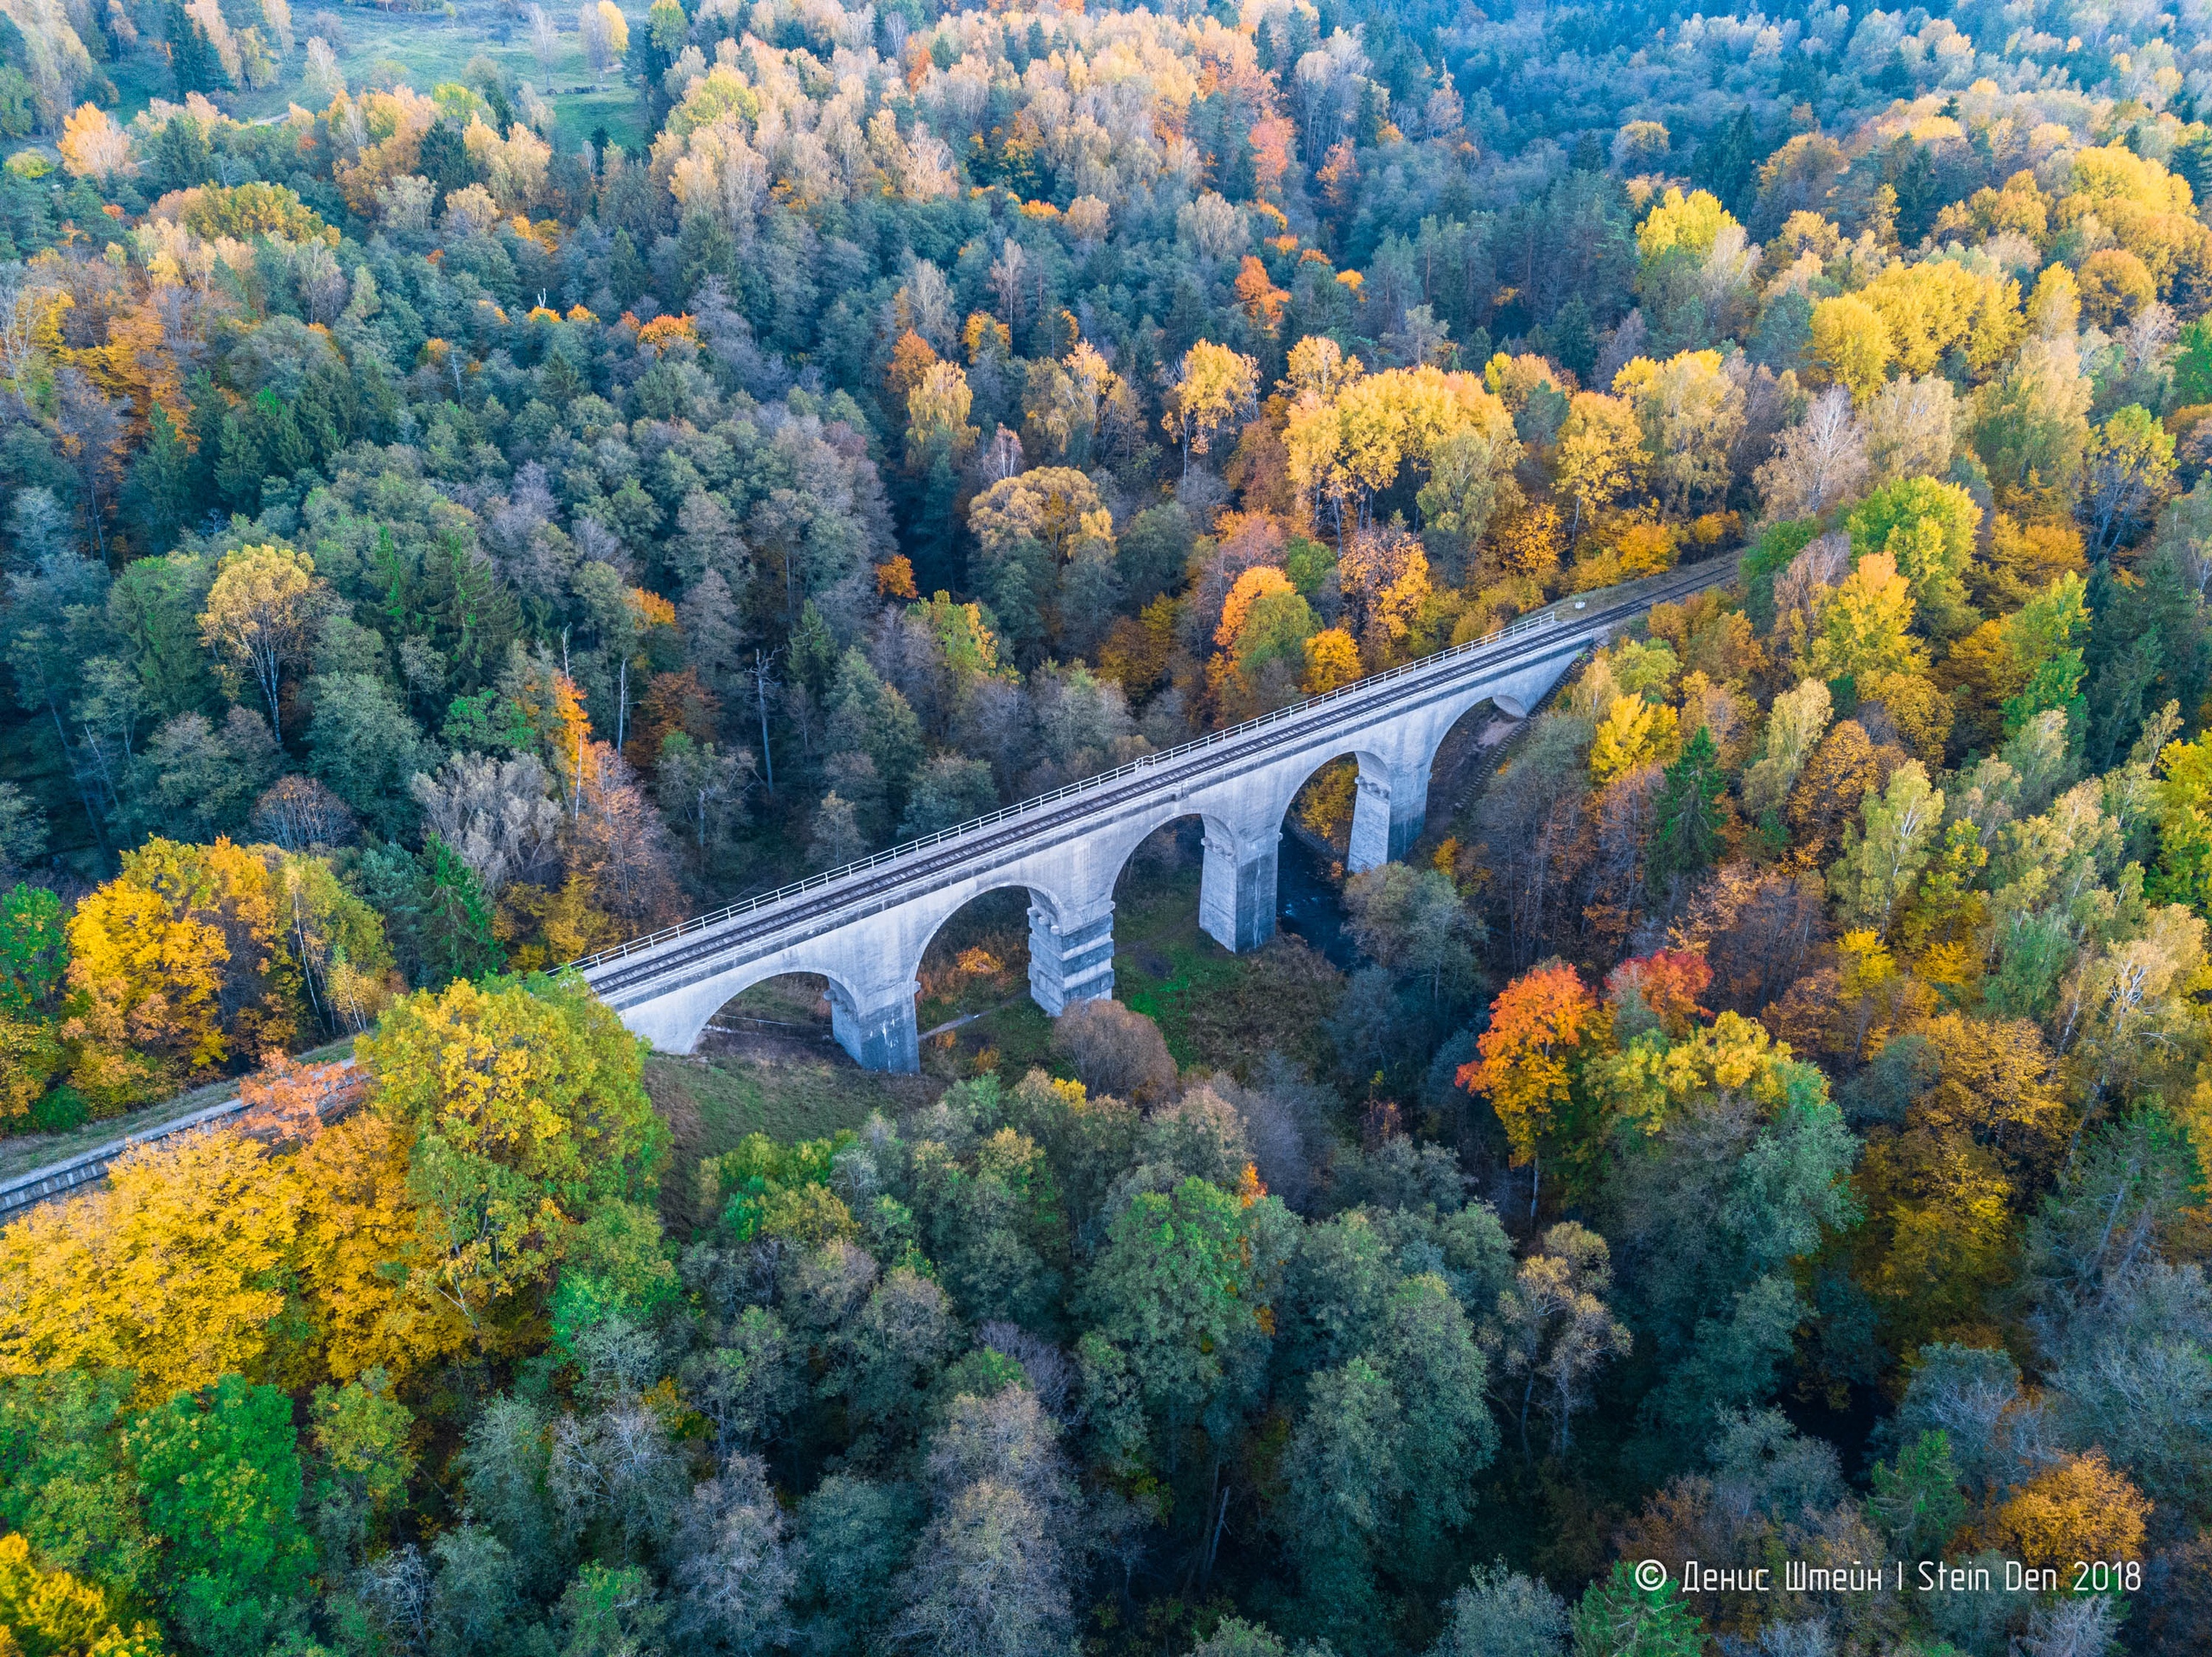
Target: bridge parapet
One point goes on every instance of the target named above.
(864, 927)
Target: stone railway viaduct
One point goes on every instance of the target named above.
(864, 927)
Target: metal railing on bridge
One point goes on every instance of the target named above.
(1544, 620)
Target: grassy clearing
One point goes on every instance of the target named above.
(1010, 1042)
(576, 115)
(711, 1104)
(423, 48)
(1217, 1011)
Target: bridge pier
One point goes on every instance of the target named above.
(1237, 891)
(1071, 963)
(883, 1034)
(1389, 809)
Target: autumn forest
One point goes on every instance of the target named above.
(477, 486)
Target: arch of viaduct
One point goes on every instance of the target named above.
(864, 928)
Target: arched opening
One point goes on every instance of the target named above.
(1470, 752)
(1155, 906)
(792, 1010)
(768, 1060)
(1320, 813)
(1346, 814)
(1338, 821)
(1218, 1009)
(974, 1008)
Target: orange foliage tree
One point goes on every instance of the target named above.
(1537, 1026)
(1669, 982)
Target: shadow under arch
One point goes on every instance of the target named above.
(1349, 800)
(1456, 762)
(1228, 915)
(1192, 862)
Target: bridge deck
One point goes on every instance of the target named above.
(887, 878)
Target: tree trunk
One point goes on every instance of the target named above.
(761, 694)
(1213, 1543)
(76, 777)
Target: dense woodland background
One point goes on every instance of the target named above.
(479, 485)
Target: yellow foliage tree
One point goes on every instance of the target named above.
(1690, 224)
(1318, 368)
(1384, 576)
(513, 168)
(2146, 209)
(2055, 307)
(261, 615)
(92, 146)
(176, 1271)
(356, 1217)
(1691, 412)
(1213, 386)
(31, 1055)
(1633, 732)
(1645, 549)
(178, 964)
(1851, 344)
(2021, 205)
(53, 1614)
(1938, 306)
(617, 26)
(1863, 625)
(525, 1111)
(1351, 441)
(1994, 1082)
(1528, 543)
(1600, 453)
(1403, 415)
(936, 416)
(2083, 1508)
(1055, 505)
(2115, 287)
(1938, 1236)
(1332, 660)
(1921, 712)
